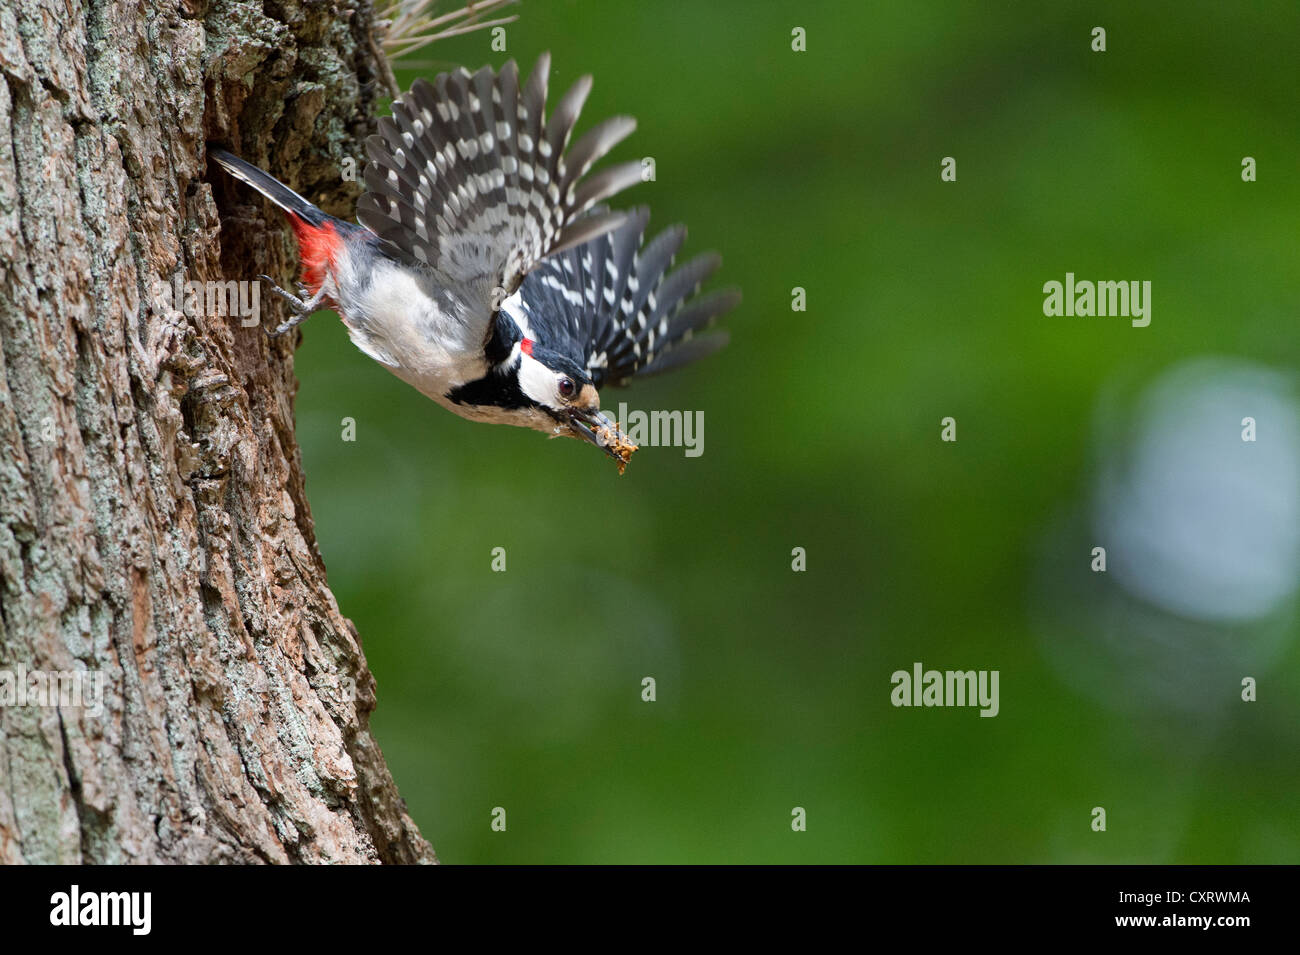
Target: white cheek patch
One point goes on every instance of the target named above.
(538, 382)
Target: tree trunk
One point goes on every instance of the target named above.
(154, 530)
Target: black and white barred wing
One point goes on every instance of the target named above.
(614, 307)
(470, 180)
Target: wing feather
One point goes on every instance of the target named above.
(612, 306)
(469, 180)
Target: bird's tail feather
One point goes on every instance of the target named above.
(269, 186)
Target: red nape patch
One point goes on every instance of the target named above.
(317, 247)
(526, 346)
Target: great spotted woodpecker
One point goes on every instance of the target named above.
(484, 272)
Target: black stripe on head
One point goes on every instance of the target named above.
(499, 389)
(561, 364)
(502, 339)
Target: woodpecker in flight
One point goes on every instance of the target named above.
(484, 271)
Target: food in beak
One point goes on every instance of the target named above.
(604, 434)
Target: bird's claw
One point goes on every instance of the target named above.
(302, 305)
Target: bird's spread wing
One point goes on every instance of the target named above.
(614, 308)
(470, 180)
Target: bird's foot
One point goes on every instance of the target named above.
(301, 304)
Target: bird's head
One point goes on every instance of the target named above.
(567, 399)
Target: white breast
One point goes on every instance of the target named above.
(397, 321)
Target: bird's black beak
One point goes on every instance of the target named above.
(595, 428)
(592, 426)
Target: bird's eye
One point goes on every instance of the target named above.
(567, 388)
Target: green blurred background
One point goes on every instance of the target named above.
(820, 169)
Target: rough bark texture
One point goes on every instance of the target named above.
(153, 522)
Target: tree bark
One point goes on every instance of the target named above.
(154, 530)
